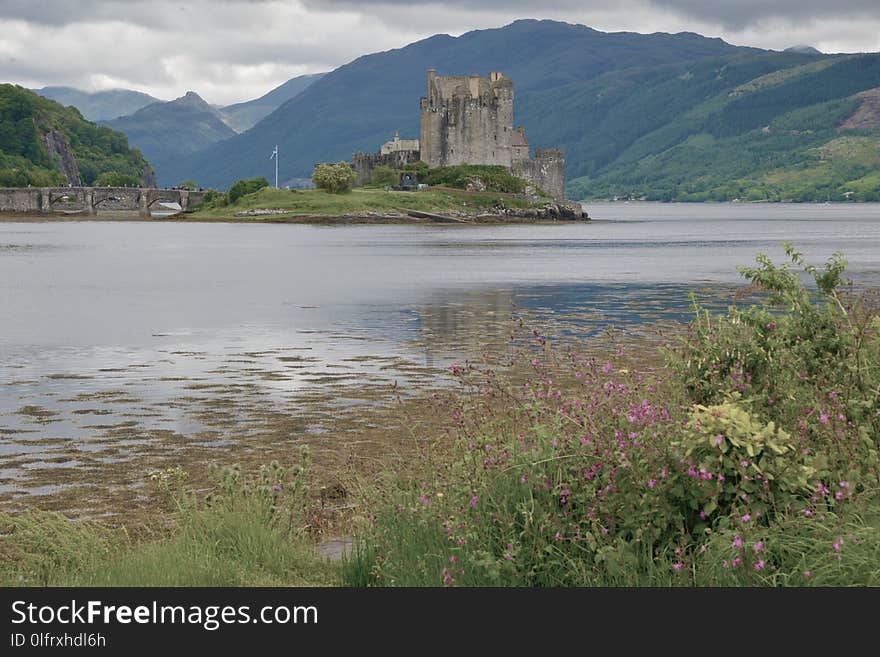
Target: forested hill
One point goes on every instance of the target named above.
(775, 126)
(43, 143)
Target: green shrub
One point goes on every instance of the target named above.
(334, 178)
(213, 199)
(418, 166)
(246, 186)
(385, 176)
(807, 360)
(492, 178)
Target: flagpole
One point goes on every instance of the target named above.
(276, 166)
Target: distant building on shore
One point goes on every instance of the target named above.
(469, 120)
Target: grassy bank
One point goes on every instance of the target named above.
(364, 202)
(250, 531)
(745, 454)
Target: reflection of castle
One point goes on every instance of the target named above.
(469, 120)
(464, 324)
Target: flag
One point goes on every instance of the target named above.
(274, 153)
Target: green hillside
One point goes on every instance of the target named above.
(28, 122)
(243, 116)
(804, 132)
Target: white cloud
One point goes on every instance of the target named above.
(233, 50)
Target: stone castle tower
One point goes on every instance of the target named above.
(467, 120)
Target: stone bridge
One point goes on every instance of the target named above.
(97, 201)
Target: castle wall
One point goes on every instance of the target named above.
(364, 163)
(546, 170)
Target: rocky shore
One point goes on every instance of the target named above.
(550, 211)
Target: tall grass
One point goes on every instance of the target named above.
(247, 533)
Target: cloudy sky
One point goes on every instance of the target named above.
(233, 50)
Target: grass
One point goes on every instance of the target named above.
(248, 532)
(313, 202)
(209, 548)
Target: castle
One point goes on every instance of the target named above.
(469, 120)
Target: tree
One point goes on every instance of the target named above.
(385, 176)
(334, 178)
(116, 179)
(188, 184)
(246, 186)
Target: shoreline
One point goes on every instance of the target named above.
(339, 220)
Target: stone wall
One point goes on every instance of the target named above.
(546, 170)
(364, 163)
(21, 201)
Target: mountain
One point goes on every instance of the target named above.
(99, 105)
(243, 116)
(169, 131)
(360, 105)
(44, 143)
(731, 129)
(804, 50)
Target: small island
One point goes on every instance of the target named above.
(390, 204)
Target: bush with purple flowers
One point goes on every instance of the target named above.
(750, 459)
